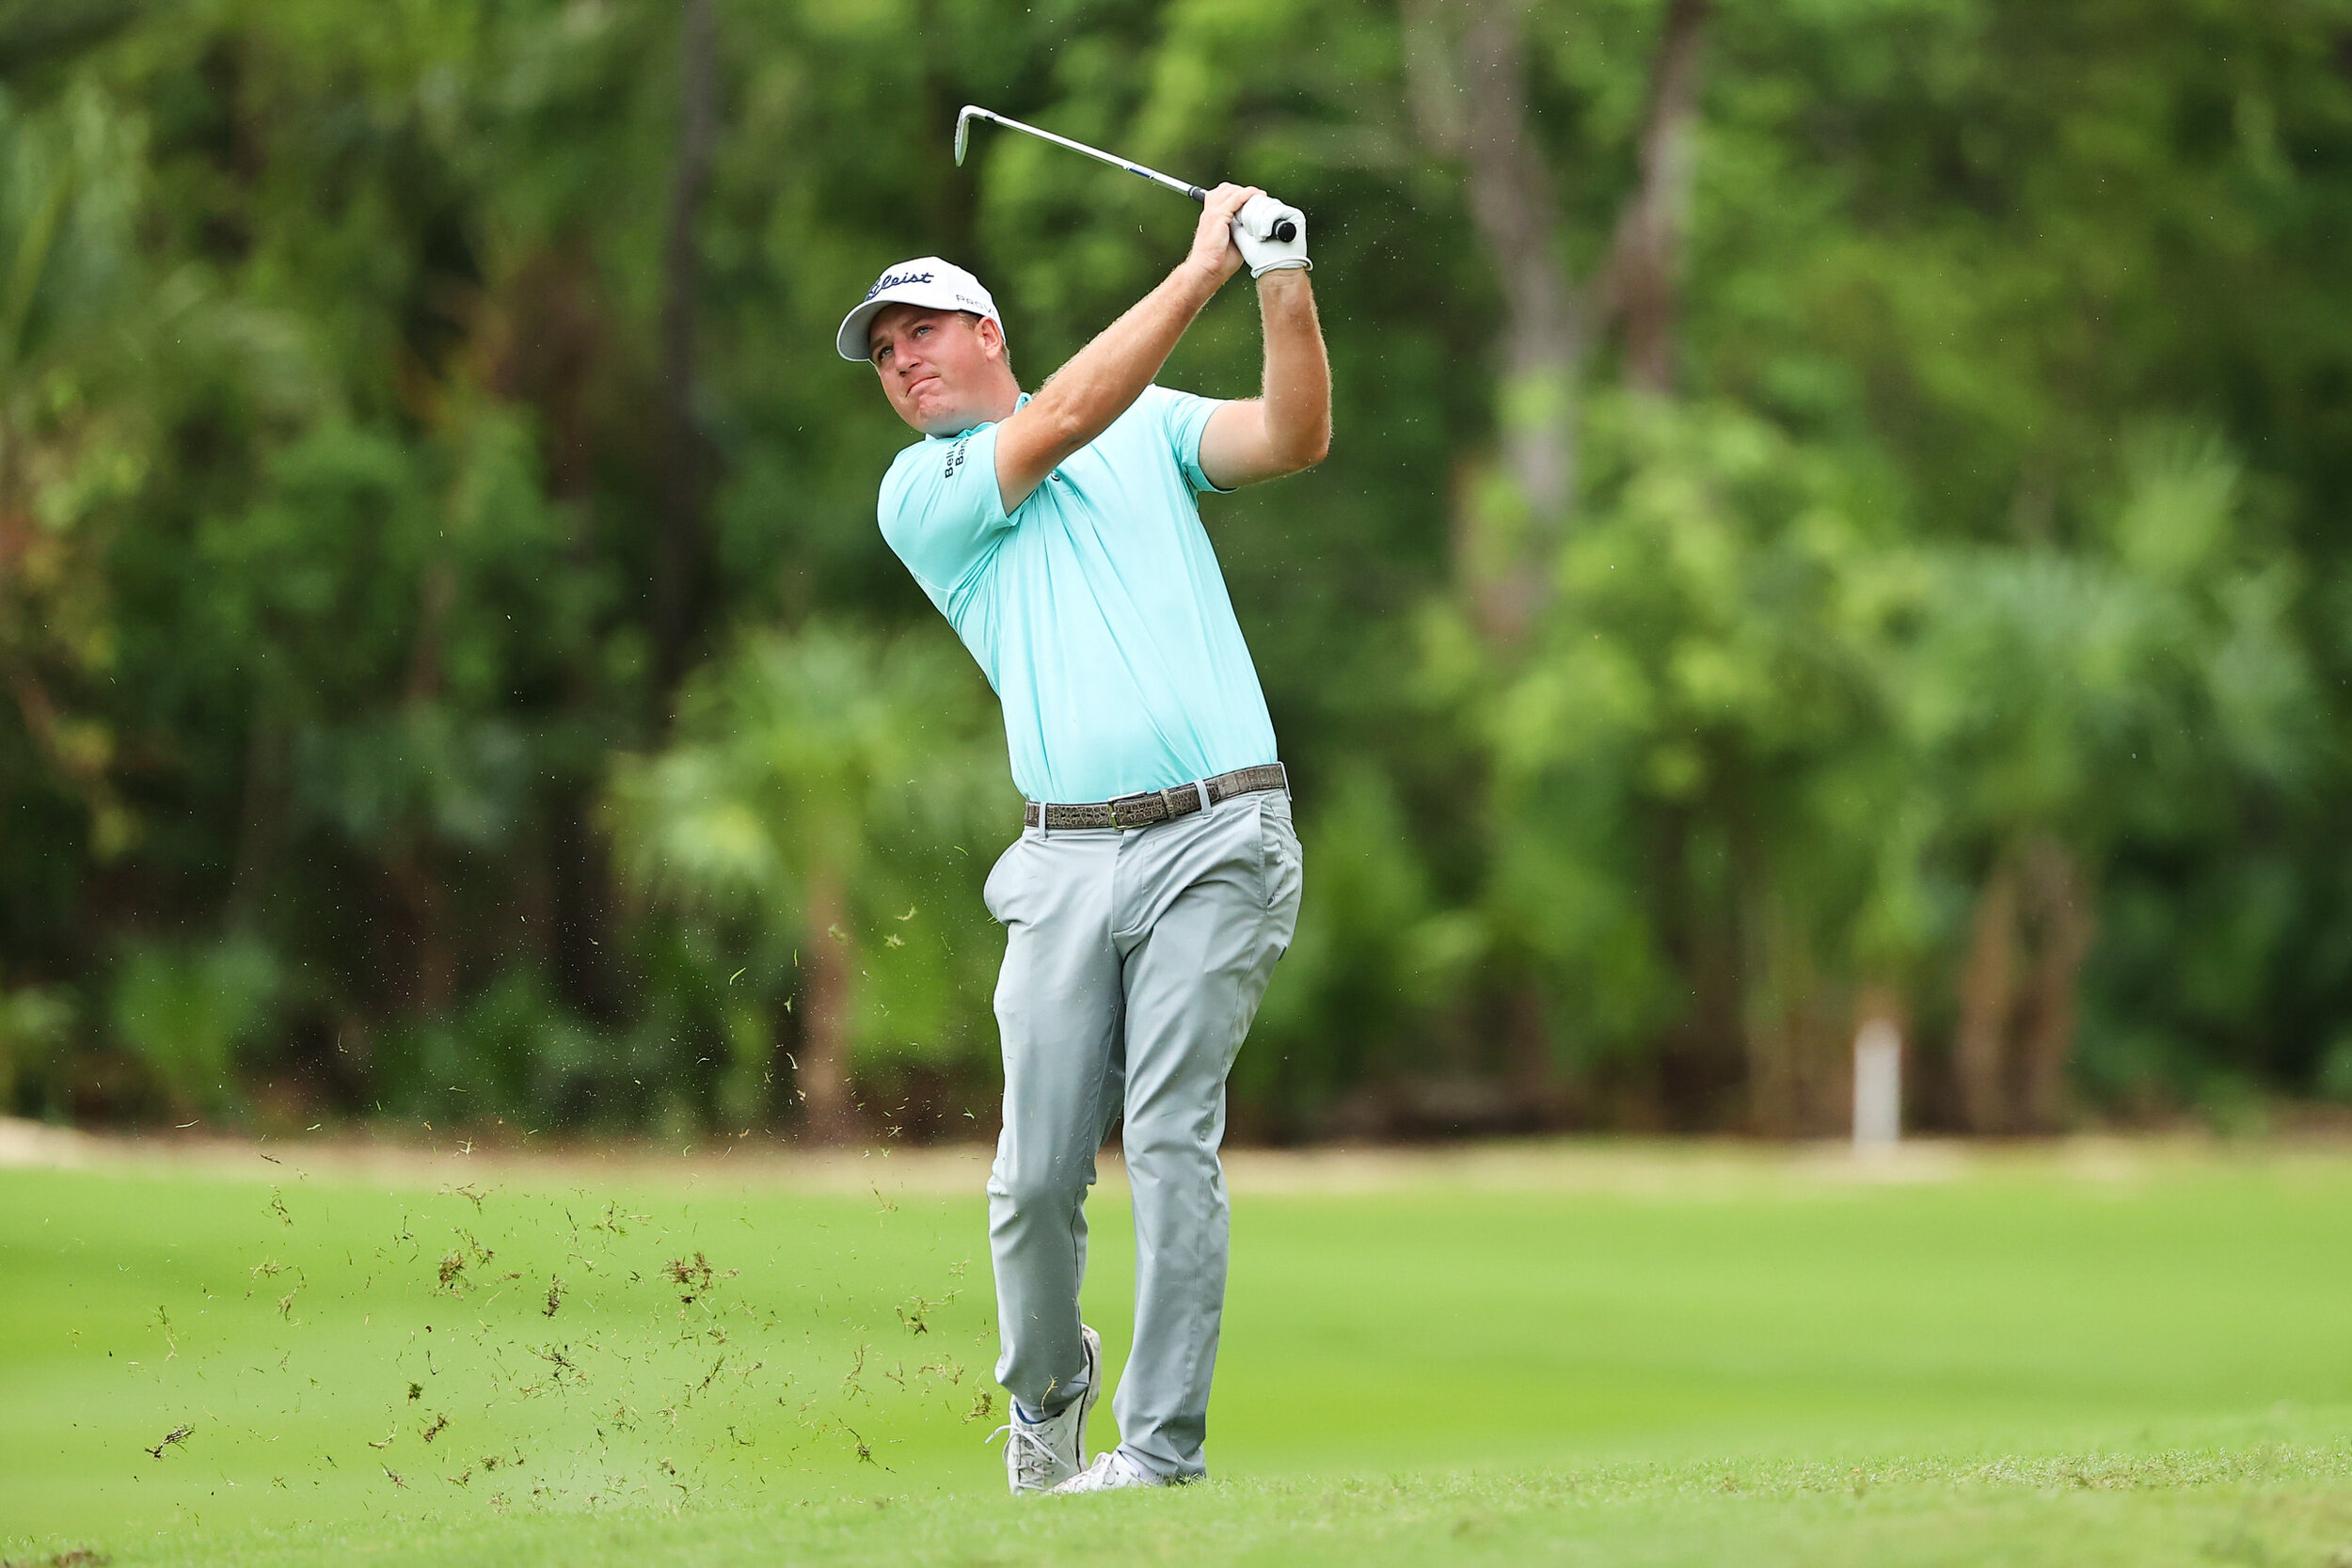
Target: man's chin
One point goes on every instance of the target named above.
(942, 421)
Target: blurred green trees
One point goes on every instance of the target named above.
(1835, 509)
(813, 786)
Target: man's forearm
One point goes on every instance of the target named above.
(1103, 379)
(1297, 389)
(1287, 426)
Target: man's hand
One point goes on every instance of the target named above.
(1213, 251)
(1254, 228)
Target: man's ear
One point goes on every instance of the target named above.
(992, 336)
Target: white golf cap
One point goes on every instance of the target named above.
(927, 281)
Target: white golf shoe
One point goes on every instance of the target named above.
(1041, 1455)
(1110, 1472)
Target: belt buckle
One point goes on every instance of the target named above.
(1136, 802)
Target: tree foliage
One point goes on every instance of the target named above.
(1835, 509)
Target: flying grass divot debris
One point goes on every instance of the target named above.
(672, 1380)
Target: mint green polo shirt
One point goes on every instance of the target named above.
(1096, 609)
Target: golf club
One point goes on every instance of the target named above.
(1283, 230)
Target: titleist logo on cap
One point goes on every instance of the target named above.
(893, 279)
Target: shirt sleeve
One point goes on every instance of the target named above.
(941, 509)
(1183, 417)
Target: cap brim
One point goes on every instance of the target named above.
(850, 340)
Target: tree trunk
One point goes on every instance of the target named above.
(679, 549)
(824, 1055)
(82, 768)
(1795, 1065)
(1466, 73)
(264, 815)
(1988, 1004)
(1702, 1068)
(410, 860)
(1529, 1068)
(2015, 1039)
(433, 972)
(579, 871)
(1646, 249)
(2064, 925)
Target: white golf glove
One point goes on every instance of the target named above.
(1254, 228)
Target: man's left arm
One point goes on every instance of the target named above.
(1288, 428)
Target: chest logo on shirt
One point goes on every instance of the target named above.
(954, 459)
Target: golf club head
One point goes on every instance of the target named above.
(963, 130)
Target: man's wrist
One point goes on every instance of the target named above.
(1199, 280)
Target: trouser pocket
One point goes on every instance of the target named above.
(1282, 861)
(1002, 878)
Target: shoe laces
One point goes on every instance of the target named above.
(1033, 1457)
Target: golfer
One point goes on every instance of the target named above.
(1157, 876)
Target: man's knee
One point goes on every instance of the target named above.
(1041, 1187)
(1172, 1146)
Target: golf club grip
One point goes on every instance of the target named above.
(1281, 230)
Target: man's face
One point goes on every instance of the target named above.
(944, 371)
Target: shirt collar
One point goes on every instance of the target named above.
(1018, 403)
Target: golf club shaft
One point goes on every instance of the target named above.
(974, 110)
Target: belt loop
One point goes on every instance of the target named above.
(1202, 786)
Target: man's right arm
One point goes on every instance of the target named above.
(1103, 379)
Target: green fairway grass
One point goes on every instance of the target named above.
(1559, 1355)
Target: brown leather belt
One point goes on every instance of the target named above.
(1154, 806)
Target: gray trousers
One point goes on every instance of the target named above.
(1134, 963)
